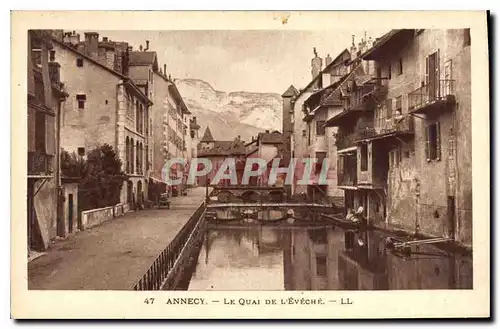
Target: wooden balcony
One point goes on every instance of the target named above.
(40, 164)
(429, 99)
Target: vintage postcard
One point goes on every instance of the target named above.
(250, 165)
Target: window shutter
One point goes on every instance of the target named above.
(437, 76)
(427, 144)
(389, 108)
(427, 71)
(50, 136)
(438, 141)
(31, 129)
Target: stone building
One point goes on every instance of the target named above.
(411, 144)
(217, 152)
(45, 95)
(105, 106)
(308, 110)
(170, 121)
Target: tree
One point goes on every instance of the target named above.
(71, 164)
(101, 176)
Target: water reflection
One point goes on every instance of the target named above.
(308, 258)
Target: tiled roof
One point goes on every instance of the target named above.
(142, 57)
(207, 136)
(291, 91)
(274, 137)
(225, 148)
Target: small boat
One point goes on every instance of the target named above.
(343, 222)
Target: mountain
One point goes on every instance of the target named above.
(231, 114)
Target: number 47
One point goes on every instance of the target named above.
(149, 301)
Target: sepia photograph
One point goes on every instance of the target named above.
(319, 160)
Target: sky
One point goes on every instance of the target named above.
(242, 60)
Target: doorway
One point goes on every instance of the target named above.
(129, 192)
(451, 216)
(70, 213)
(432, 75)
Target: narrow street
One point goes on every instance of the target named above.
(114, 255)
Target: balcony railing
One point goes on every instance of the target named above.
(40, 163)
(348, 140)
(428, 95)
(397, 124)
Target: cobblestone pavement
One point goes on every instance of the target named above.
(114, 255)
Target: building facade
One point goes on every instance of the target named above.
(105, 106)
(44, 190)
(170, 126)
(411, 144)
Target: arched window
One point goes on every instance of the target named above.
(140, 158)
(132, 146)
(127, 155)
(136, 115)
(137, 163)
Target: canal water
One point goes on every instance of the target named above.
(263, 257)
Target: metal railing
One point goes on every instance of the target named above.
(40, 163)
(348, 140)
(395, 124)
(167, 260)
(427, 93)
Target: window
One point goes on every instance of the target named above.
(81, 151)
(79, 62)
(466, 37)
(308, 134)
(399, 105)
(52, 55)
(321, 266)
(400, 66)
(81, 98)
(364, 157)
(320, 128)
(433, 142)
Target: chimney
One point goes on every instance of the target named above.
(353, 49)
(130, 48)
(165, 69)
(72, 38)
(91, 44)
(267, 131)
(369, 43)
(316, 64)
(105, 39)
(140, 48)
(147, 45)
(328, 60)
